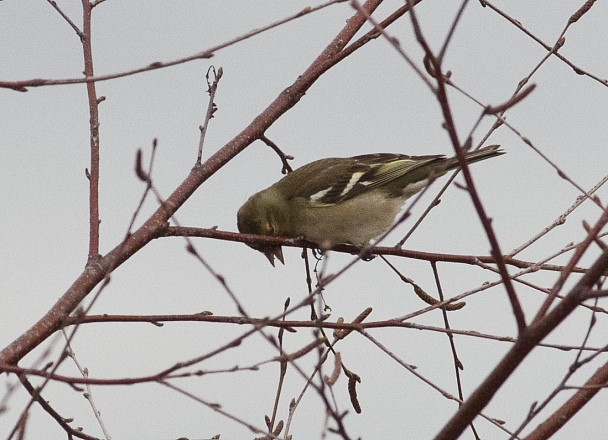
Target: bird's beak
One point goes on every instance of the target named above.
(274, 252)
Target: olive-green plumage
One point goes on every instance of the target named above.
(343, 200)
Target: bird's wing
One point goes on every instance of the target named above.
(335, 180)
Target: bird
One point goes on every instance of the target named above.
(350, 200)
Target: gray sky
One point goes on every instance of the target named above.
(371, 102)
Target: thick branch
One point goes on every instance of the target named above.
(560, 417)
(527, 341)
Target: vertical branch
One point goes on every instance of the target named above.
(93, 173)
(434, 68)
(211, 108)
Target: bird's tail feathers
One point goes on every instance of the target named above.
(475, 156)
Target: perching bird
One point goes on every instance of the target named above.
(343, 200)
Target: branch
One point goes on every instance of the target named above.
(156, 224)
(341, 330)
(527, 341)
(93, 173)
(578, 254)
(21, 86)
(547, 47)
(565, 412)
(434, 67)
(179, 231)
(211, 107)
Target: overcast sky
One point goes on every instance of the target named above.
(371, 102)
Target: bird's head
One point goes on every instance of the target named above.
(262, 215)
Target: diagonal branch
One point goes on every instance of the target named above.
(565, 412)
(527, 341)
(154, 226)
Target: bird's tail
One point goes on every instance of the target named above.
(475, 156)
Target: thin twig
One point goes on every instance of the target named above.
(420, 292)
(451, 32)
(88, 394)
(208, 53)
(211, 107)
(562, 218)
(80, 34)
(451, 129)
(284, 157)
(428, 382)
(379, 28)
(578, 254)
(61, 421)
(519, 26)
(457, 363)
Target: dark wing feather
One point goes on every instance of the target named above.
(334, 180)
